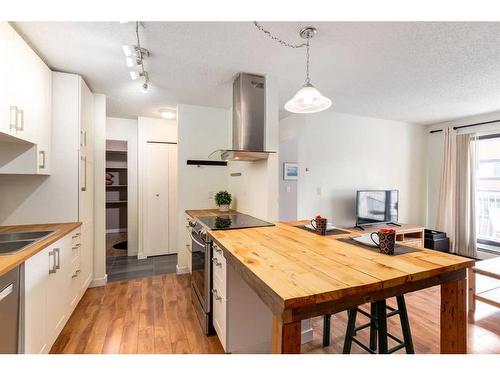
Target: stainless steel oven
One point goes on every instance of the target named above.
(201, 277)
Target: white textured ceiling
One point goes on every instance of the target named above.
(417, 72)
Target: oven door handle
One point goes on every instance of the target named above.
(195, 240)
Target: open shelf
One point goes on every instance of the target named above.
(117, 152)
(116, 168)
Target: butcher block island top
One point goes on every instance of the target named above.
(9, 261)
(299, 275)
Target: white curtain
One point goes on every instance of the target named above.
(457, 202)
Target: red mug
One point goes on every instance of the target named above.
(386, 240)
(319, 224)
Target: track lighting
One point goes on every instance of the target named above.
(135, 56)
(128, 50)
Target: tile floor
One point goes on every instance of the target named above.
(123, 267)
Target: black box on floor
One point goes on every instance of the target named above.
(434, 234)
(436, 240)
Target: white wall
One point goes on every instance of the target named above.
(434, 153)
(344, 153)
(287, 188)
(121, 129)
(202, 130)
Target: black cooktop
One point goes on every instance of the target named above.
(234, 221)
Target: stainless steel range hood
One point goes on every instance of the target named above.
(249, 119)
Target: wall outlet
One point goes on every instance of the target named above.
(211, 195)
(288, 189)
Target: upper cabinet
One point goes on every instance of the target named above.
(25, 107)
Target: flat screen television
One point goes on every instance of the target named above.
(376, 207)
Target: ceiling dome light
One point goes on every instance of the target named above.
(167, 113)
(308, 100)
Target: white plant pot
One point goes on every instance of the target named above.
(224, 208)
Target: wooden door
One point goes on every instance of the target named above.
(156, 196)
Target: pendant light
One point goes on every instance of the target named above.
(308, 99)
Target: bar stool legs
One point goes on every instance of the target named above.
(326, 329)
(379, 312)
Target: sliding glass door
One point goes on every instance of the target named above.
(488, 192)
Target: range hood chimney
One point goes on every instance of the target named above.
(249, 119)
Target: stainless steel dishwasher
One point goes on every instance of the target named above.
(9, 311)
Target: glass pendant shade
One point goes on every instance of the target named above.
(308, 100)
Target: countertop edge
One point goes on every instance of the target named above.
(60, 230)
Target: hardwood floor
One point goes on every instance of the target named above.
(155, 315)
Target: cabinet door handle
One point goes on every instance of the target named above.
(53, 269)
(216, 262)
(77, 272)
(20, 113)
(13, 117)
(76, 246)
(84, 159)
(75, 236)
(83, 138)
(6, 291)
(216, 295)
(58, 253)
(42, 160)
(217, 249)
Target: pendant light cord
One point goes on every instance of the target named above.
(273, 37)
(308, 80)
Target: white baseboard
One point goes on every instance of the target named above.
(119, 230)
(99, 282)
(181, 270)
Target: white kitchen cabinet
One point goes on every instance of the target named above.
(241, 320)
(52, 291)
(25, 107)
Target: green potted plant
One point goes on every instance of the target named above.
(223, 199)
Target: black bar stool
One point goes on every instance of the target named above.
(378, 328)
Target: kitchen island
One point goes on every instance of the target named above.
(300, 275)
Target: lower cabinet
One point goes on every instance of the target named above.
(241, 320)
(53, 286)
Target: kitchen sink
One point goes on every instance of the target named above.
(13, 246)
(13, 242)
(20, 236)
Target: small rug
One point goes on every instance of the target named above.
(398, 249)
(330, 232)
(122, 245)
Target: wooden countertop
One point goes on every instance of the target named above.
(9, 261)
(292, 269)
(209, 212)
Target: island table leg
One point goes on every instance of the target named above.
(454, 317)
(286, 337)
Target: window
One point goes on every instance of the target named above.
(488, 191)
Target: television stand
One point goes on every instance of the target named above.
(395, 224)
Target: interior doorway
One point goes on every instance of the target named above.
(116, 181)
